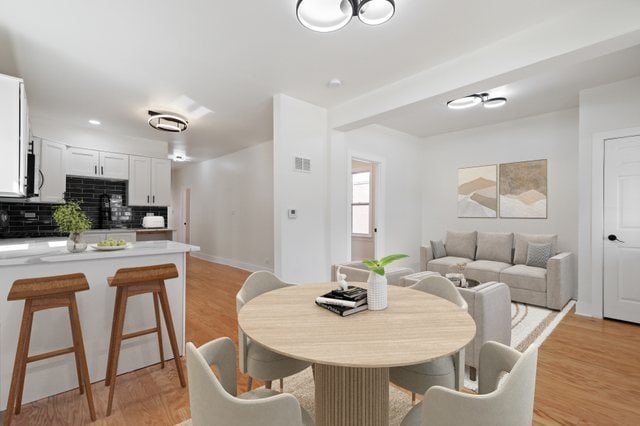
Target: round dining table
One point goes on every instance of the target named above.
(352, 355)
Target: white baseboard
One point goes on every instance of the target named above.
(230, 262)
(584, 309)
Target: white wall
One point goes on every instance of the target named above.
(301, 245)
(552, 136)
(231, 207)
(602, 109)
(97, 139)
(399, 222)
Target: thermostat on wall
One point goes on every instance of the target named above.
(293, 213)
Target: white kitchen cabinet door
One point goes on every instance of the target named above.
(160, 182)
(53, 181)
(11, 183)
(83, 162)
(139, 181)
(114, 166)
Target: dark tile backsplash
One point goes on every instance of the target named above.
(28, 220)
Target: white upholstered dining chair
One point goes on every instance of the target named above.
(502, 400)
(447, 371)
(214, 402)
(256, 360)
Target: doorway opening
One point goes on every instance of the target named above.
(363, 189)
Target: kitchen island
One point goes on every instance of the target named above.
(51, 329)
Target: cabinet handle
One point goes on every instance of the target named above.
(154, 199)
(147, 199)
(102, 170)
(95, 170)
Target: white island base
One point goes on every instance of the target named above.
(51, 328)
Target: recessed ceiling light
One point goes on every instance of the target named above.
(465, 102)
(334, 83)
(494, 102)
(95, 122)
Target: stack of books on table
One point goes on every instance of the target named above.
(344, 302)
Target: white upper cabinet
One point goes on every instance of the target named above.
(114, 166)
(52, 182)
(97, 164)
(149, 181)
(82, 162)
(139, 181)
(160, 182)
(13, 136)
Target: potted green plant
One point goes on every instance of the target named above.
(70, 218)
(377, 291)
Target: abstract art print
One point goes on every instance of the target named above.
(523, 190)
(477, 191)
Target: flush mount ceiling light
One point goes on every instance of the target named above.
(476, 99)
(330, 15)
(167, 122)
(94, 122)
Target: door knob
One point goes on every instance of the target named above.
(612, 237)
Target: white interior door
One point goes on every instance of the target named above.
(622, 229)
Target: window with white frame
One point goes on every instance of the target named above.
(361, 204)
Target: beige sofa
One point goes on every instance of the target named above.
(502, 257)
(358, 272)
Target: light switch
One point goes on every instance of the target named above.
(293, 213)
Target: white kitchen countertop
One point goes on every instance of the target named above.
(28, 252)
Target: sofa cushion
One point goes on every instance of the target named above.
(521, 243)
(538, 254)
(444, 264)
(461, 244)
(495, 246)
(438, 250)
(525, 277)
(485, 270)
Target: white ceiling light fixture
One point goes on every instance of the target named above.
(334, 83)
(167, 122)
(95, 122)
(470, 101)
(331, 15)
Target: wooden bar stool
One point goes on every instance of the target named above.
(40, 294)
(132, 282)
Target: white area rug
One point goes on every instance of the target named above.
(529, 325)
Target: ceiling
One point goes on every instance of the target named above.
(546, 92)
(114, 60)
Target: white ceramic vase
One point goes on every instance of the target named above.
(377, 292)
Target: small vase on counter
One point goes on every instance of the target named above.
(377, 292)
(76, 242)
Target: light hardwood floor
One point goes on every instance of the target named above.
(588, 370)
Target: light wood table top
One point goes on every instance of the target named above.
(416, 327)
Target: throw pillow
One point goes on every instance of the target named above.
(461, 244)
(438, 250)
(521, 242)
(495, 246)
(538, 255)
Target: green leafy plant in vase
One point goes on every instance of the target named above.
(70, 218)
(377, 291)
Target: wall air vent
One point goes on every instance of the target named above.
(301, 164)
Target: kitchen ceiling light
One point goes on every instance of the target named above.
(494, 102)
(167, 122)
(325, 15)
(331, 15)
(94, 122)
(376, 12)
(476, 99)
(465, 102)
(334, 83)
